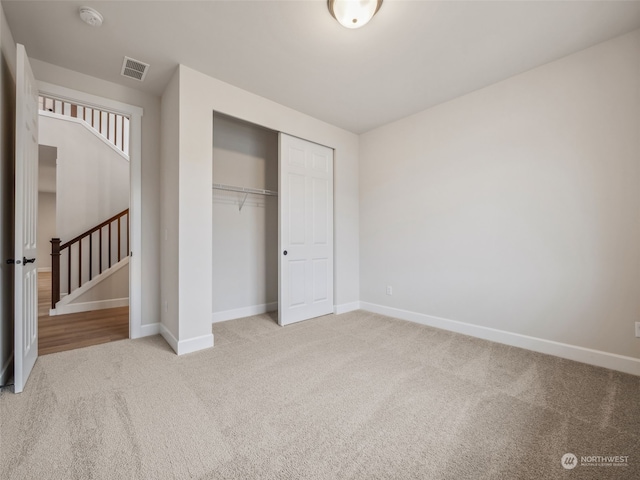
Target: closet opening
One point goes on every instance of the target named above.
(245, 220)
(272, 221)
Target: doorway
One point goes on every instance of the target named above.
(245, 219)
(90, 317)
(73, 328)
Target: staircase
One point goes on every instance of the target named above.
(89, 258)
(112, 126)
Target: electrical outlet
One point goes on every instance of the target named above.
(389, 290)
(638, 329)
(166, 306)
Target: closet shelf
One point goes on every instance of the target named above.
(257, 191)
(245, 190)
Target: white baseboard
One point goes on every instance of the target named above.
(186, 346)
(149, 330)
(346, 307)
(170, 339)
(7, 371)
(88, 306)
(44, 269)
(195, 344)
(598, 358)
(243, 312)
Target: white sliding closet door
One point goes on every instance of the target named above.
(305, 197)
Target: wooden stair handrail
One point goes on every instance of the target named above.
(94, 229)
(57, 248)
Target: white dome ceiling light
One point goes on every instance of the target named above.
(91, 16)
(353, 13)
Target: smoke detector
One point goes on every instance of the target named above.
(134, 69)
(91, 16)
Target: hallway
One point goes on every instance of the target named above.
(76, 330)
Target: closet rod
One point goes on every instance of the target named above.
(232, 188)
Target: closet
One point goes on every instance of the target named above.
(245, 218)
(272, 223)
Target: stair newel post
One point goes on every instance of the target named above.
(55, 271)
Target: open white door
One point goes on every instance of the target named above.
(26, 210)
(305, 197)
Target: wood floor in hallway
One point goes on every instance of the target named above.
(75, 330)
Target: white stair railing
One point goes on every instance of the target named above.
(113, 126)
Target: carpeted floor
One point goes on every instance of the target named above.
(355, 396)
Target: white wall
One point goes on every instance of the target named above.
(150, 213)
(47, 166)
(7, 135)
(245, 243)
(46, 227)
(516, 207)
(170, 141)
(199, 97)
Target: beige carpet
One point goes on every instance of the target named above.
(355, 396)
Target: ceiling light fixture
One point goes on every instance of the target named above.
(91, 16)
(353, 13)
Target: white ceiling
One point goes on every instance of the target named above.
(412, 55)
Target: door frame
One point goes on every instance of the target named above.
(135, 186)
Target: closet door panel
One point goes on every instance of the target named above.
(297, 210)
(320, 220)
(297, 275)
(306, 230)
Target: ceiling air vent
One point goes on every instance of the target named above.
(134, 69)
